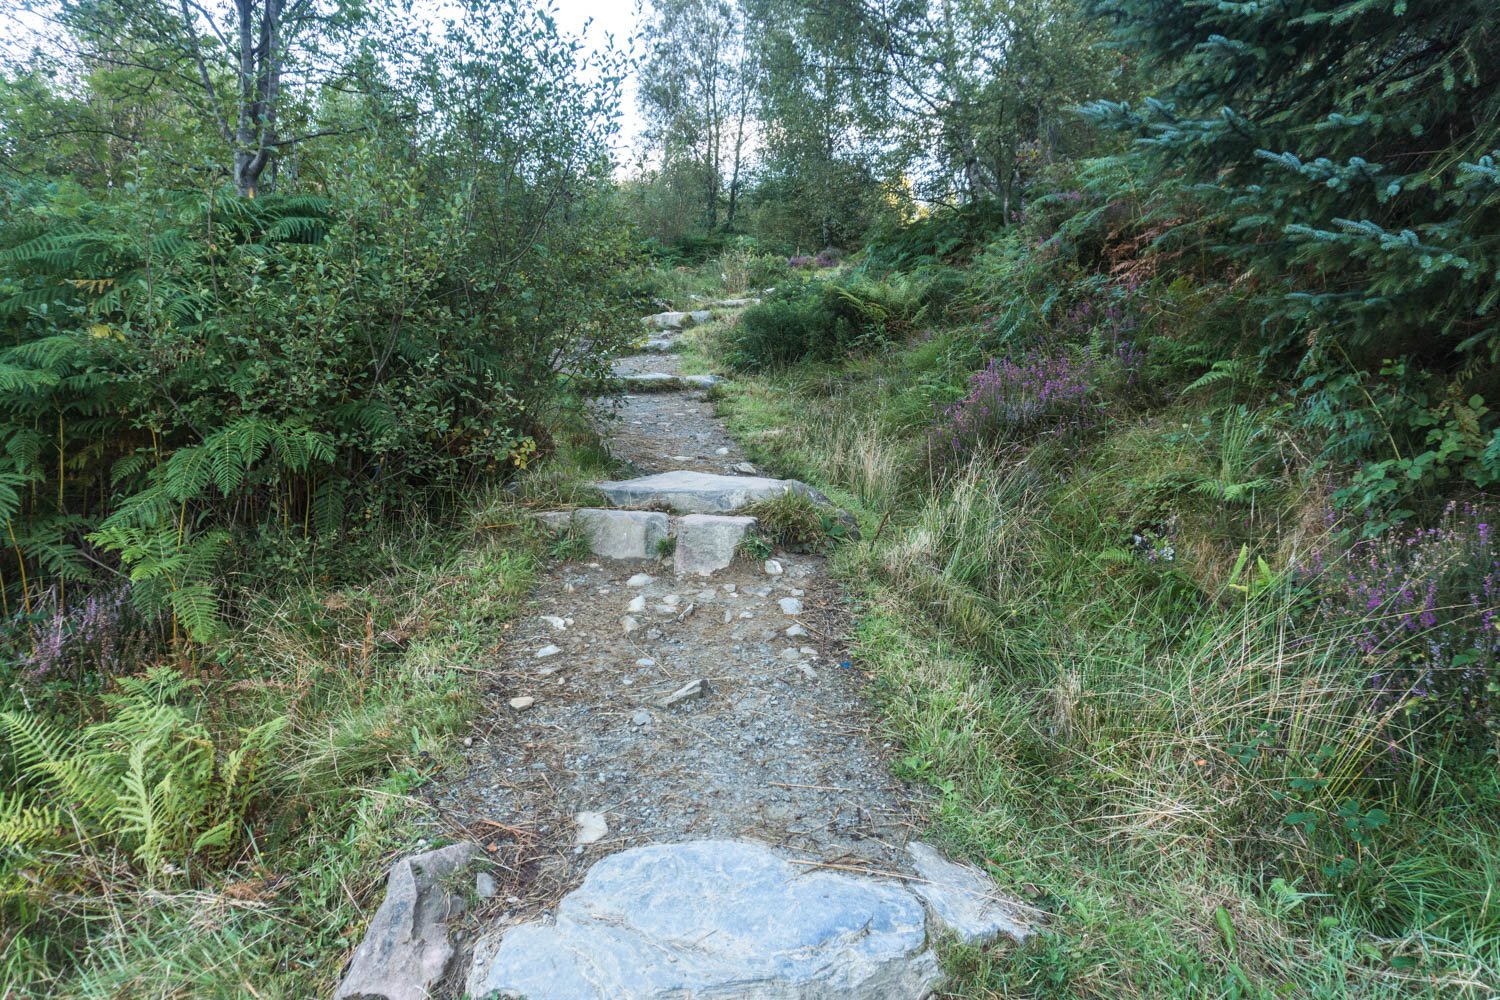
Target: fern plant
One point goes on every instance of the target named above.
(151, 780)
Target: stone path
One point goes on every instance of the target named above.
(678, 787)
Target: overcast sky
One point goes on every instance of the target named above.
(605, 18)
(595, 20)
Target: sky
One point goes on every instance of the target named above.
(595, 21)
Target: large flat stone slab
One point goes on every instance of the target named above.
(715, 919)
(707, 543)
(698, 492)
(666, 382)
(623, 534)
(964, 900)
(676, 320)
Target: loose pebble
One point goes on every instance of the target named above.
(790, 606)
(639, 580)
(773, 567)
(546, 651)
(521, 704)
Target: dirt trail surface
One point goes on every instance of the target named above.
(675, 789)
(779, 744)
(662, 431)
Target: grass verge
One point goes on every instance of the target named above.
(1119, 717)
(221, 826)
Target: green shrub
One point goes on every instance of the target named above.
(826, 320)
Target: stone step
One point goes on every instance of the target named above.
(707, 543)
(676, 320)
(687, 492)
(715, 919)
(614, 534)
(666, 382)
(659, 345)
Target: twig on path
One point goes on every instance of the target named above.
(817, 788)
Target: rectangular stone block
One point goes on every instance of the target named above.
(706, 543)
(623, 534)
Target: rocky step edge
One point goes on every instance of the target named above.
(702, 544)
(699, 918)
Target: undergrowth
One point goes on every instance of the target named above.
(1107, 655)
(220, 826)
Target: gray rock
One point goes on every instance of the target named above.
(664, 382)
(733, 303)
(715, 919)
(965, 900)
(790, 606)
(697, 492)
(485, 886)
(623, 534)
(745, 468)
(641, 718)
(696, 688)
(406, 949)
(669, 321)
(706, 543)
(659, 345)
(555, 520)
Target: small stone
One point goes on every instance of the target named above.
(744, 469)
(728, 616)
(637, 604)
(558, 623)
(591, 827)
(729, 588)
(790, 606)
(629, 624)
(645, 661)
(672, 600)
(546, 651)
(809, 651)
(522, 703)
(641, 718)
(721, 451)
(696, 688)
(795, 632)
(796, 592)
(773, 568)
(807, 668)
(485, 886)
(639, 580)
(568, 588)
(468, 741)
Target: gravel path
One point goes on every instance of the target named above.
(782, 746)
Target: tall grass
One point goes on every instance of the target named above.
(1157, 740)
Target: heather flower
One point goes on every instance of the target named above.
(1420, 607)
(1017, 400)
(96, 636)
